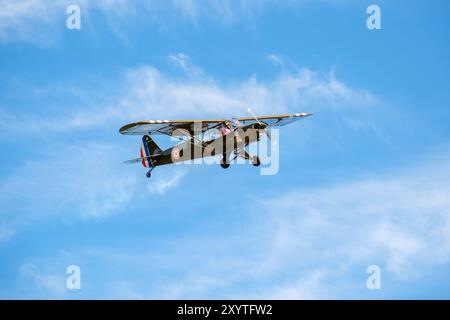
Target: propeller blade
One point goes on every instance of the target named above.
(254, 117)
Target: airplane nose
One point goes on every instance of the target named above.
(259, 126)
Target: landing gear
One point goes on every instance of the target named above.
(148, 174)
(256, 161)
(224, 163)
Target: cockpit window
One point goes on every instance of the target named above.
(211, 134)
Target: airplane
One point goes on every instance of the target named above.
(203, 138)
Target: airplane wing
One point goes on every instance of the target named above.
(194, 127)
(274, 121)
(167, 127)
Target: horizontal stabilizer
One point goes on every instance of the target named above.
(141, 159)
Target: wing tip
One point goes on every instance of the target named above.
(124, 129)
(303, 114)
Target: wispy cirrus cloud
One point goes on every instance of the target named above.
(88, 176)
(149, 93)
(40, 21)
(43, 282)
(399, 221)
(180, 60)
(276, 59)
(306, 243)
(19, 20)
(77, 181)
(81, 180)
(161, 185)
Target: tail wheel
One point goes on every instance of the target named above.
(256, 161)
(224, 164)
(148, 174)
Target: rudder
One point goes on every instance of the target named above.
(149, 148)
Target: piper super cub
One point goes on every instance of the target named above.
(204, 138)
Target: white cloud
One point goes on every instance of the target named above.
(161, 184)
(38, 20)
(90, 176)
(276, 59)
(180, 59)
(226, 11)
(42, 284)
(307, 287)
(86, 180)
(400, 221)
(306, 243)
(147, 93)
(18, 19)
(401, 246)
(151, 92)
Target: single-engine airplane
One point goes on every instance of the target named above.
(203, 138)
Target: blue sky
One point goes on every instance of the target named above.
(365, 181)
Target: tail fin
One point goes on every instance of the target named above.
(149, 148)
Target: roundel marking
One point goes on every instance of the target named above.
(175, 154)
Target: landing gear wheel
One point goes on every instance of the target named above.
(224, 164)
(148, 174)
(256, 161)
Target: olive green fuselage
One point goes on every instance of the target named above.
(193, 148)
